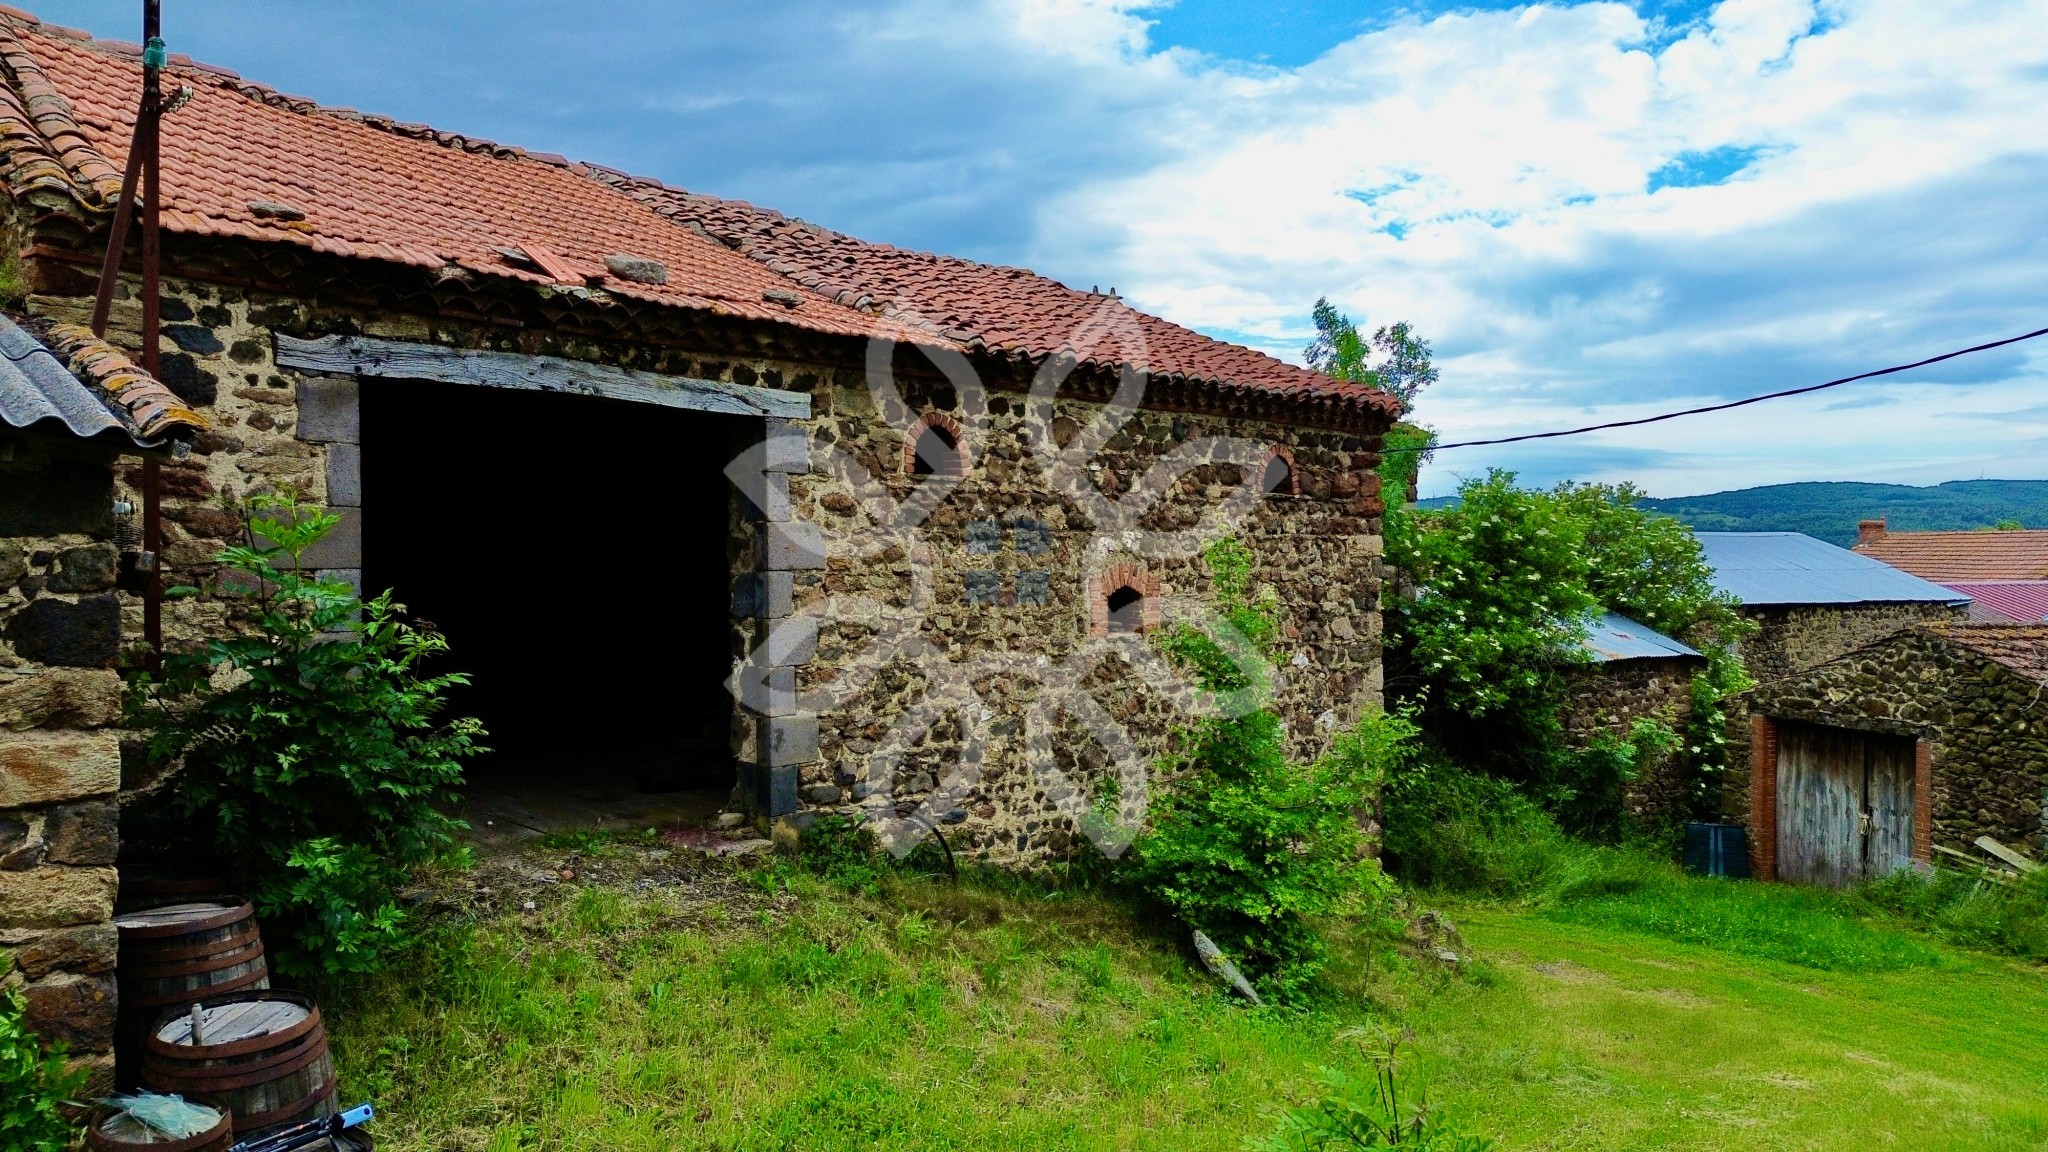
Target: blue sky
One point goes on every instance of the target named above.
(1595, 210)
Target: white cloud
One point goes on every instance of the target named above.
(1486, 174)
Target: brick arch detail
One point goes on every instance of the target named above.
(962, 460)
(1123, 574)
(1284, 454)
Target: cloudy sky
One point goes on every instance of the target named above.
(1594, 210)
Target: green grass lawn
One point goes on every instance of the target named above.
(658, 1004)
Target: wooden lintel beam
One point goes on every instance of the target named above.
(402, 359)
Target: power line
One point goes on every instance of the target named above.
(1726, 406)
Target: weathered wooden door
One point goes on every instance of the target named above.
(1845, 804)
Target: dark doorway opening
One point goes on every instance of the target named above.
(574, 550)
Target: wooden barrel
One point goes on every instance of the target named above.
(174, 955)
(111, 1130)
(263, 1053)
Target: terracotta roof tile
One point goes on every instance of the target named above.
(426, 199)
(2021, 648)
(1008, 310)
(63, 374)
(1964, 556)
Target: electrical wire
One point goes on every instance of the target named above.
(1722, 407)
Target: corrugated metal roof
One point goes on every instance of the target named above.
(1766, 568)
(2021, 601)
(1615, 637)
(36, 390)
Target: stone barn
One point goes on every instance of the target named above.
(698, 492)
(1810, 602)
(70, 408)
(1934, 735)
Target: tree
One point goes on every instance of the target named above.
(1402, 368)
(1506, 582)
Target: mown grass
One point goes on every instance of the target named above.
(927, 1016)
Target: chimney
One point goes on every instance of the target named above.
(1869, 532)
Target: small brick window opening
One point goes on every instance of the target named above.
(1125, 599)
(933, 448)
(1127, 610)
(1278, 477)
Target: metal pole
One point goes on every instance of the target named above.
(148, 131)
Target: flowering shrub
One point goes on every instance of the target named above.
(1505, 582)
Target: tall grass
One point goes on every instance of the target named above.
(1970, 910)
(1454, 831)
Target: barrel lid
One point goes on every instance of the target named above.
(187, 916)
(234, 1021)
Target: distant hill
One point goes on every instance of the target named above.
(1830, 511)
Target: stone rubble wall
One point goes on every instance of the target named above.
(1987, 729)
(1015, 568)
(60, 756)
(1320, 549)
(1609, 698)
(1792, 639)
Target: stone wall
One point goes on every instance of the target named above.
(1609, 698)
(60, 759)
(1985, 728)
(1013, 567)
(1792, 639)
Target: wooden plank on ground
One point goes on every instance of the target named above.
(2006, 855)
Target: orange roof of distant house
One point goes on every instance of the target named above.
(1961, 557)
(241, 160)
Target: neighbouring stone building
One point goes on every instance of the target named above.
(1637, 673)
(1937, 734)
(63, 553)
(627, 446)
(1810, 602)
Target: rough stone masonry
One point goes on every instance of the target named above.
(1016, 567)
(60, 758)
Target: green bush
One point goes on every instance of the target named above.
(311, 754)
(1246, 845)
(1964, 909)
(1454, 830)
(34, 1085)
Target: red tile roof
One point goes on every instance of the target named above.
(1964, 556)
(2024, 601)
(1010, 311)
(2019, 648)
(241, 160)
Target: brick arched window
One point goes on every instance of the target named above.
(935, 447)
(1277, 476)
(1123, 597)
